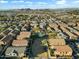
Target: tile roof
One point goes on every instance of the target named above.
(56, 42)
(64, 48)
(24, 35)
(20, 43)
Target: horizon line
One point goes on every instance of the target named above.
(39, 8)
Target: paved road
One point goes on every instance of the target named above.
(75, 50)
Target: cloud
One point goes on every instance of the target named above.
(42, 3)
(20, 1)
(28, 2)
(77, 1)
(61, 2)
(2, 1)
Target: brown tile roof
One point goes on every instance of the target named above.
(56, 42)
(64, 48)
(53, 25)
(20, 37)
(24, 35)
(20, 43)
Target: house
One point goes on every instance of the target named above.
(7, 38)
(58, 47)
(24, 35)
(62, 35)
(20, 43)
(62, 24)
(73, 31)
(71, 35)
(56, 42)
(62, 50)
(72, 24)
(15, 51)
(53, 25)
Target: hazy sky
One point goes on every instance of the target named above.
(37, 4)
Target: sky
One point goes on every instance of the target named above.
(38, 4)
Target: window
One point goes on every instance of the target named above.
(66, 52)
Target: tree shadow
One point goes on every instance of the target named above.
(38, 48)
